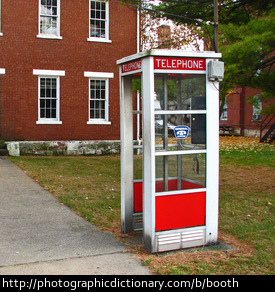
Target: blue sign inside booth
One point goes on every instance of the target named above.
(181, 132)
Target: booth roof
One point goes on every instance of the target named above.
(170, 53)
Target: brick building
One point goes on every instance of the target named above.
(58, 74)
(241, 117)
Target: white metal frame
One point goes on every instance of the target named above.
(171, 239)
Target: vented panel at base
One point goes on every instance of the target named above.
(178, 240)
(137, 221)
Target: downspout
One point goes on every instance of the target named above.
(2, 71)
(138, 30)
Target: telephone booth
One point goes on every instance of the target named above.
(169, 105)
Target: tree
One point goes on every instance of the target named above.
(162, 33)
(246, 38)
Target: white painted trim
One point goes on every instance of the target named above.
(99, 40)
(48, 72)
(138, 31)
(49, 36)
(98, 74)
(98, 122)
(2, 71)
(50, 122)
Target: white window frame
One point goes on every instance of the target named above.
(49, 36)
(0, 20)
(257, 108)
(224, 114)
(100, 39)
(2, 71)
(99, 76)
(49, 74)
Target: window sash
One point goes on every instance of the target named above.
(257, 108)
(98, 99)
(99, 23)
(48, 105)
(49, 20)
(224, 113)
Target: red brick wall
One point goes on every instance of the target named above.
(21, 52)
(240, 111)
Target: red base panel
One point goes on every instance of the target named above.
(175, 211)
(180, 211)
(172, 186)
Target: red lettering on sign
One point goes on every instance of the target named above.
(171, 63)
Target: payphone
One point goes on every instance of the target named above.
(170, 191)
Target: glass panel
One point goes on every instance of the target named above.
(42, 113)
(54, 11)
(165, 135)
(48, 25)
(42, 92)
(137, 166)
(184, 92)
(180, 172)
(53, 113)
(92, 115)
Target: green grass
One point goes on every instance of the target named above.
(91, 187)
(247, 204)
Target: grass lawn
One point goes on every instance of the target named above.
(91, 187)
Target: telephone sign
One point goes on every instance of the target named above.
(181, 132)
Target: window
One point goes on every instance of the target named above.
(48, 96)
(49, 19)
(98, 97)
(99, 21)
(224, 111)
(257, 108)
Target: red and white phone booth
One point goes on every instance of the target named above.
(171, 190)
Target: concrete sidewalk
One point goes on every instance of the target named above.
(40, 236)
